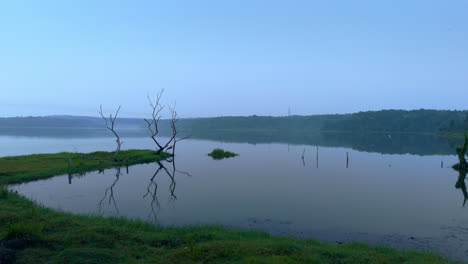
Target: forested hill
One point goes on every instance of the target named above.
(62, 122)
(401, 121)
(422, 121)
(431, 121)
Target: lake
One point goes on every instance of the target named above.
(401, 195)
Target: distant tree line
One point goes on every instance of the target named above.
(427, 121)
(431, 121)
(456, 125)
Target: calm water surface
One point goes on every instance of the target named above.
(402, 200)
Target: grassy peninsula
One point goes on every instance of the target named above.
(30, 233)
(41, 166)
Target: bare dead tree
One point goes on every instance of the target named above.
(153, 124)
(174, 139)
(110, 125)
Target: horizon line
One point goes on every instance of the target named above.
(253, 115)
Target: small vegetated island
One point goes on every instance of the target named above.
(219, 154)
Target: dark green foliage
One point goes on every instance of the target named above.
(3, 192)
(462, 153)
(7, 255)
(262, 125)
(219, 154)
(400, 121)
(461, 185)
(85, 255)
(24, 230)
(19, 236)
(428, 121)
(457, 125)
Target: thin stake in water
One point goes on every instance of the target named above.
(347, 160)
(317, 157)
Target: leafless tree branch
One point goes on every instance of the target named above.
(110, 125)
(153, 122)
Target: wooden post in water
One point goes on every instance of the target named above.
(442, 164)
(69, 168)
(317, 157)
(303, 160)
(347, 160)
(126, 163)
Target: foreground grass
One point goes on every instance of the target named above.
(20, 169)
(30, 233)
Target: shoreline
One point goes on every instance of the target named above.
(30, 232)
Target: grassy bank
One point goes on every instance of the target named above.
(40, 166)
(453, 135)
(33, 234)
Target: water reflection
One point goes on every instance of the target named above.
(110, 190)
(462, 185)
(77, 175)
(302, 157)
(165, 168)
(385, 143)
(154, 194)
(152, 187)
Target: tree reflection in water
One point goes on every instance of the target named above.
(462, 185)
(110, 190)
(152, 188)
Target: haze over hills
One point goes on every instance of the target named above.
(429, 121)
(386, 131)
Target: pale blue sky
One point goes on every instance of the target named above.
(239, 57)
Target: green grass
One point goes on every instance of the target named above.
(219, 154)
(453, 135)
(41, 235)
(40, 166)
(30, 233)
